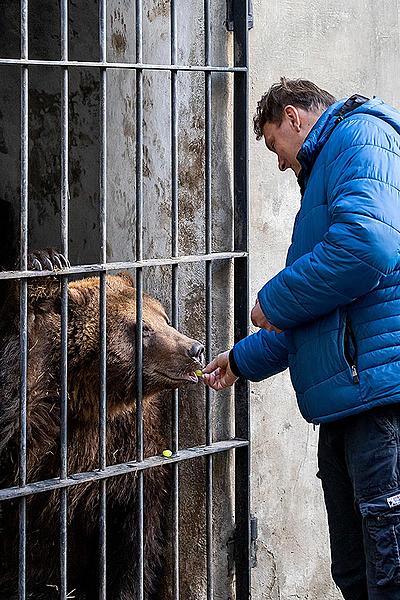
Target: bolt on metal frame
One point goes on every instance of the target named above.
(240, 444)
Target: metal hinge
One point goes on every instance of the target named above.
(231, 547)
(230, 23)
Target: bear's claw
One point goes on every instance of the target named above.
(47, 260)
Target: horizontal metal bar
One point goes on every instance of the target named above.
(112, 65)
(117, 266)
(120, 469)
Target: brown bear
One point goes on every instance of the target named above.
(169, 361)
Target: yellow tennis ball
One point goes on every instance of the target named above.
(167, 453)
(199, 373)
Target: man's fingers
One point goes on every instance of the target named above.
(220, 379)
(216, 382)
(217, 374)
(211, 377)
(211, 366)
(221, 360)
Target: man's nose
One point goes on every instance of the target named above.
(196, 351)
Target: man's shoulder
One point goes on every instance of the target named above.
(363, 130)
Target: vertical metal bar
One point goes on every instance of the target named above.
(103, 303)
(103, 440)
(23, 299)
(175, 296)
(64, 301)
(209, 436)
(241, 297)
(139, 298)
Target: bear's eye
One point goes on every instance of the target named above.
(147, 330)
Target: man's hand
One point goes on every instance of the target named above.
(259, 320)
(217, 374)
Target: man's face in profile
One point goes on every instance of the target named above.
(286, 138)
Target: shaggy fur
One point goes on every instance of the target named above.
(169, 361)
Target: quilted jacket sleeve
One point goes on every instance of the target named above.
(362, 243)
(261, 355)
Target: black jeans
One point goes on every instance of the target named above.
(359, 465)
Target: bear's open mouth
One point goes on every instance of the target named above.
(191, 377)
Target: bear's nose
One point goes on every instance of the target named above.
(197, 351)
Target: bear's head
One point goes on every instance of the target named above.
(170, 358)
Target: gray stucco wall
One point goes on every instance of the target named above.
(345, 47)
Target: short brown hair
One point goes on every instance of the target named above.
(297, 92)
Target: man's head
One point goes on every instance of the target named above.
(286, 114)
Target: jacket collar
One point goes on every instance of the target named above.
(321, 131)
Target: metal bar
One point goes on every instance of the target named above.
(49, 485)
(103, 437)
(139, 300)
(23, 299)
(117, 266)
(63, 437)
(175, 297)
(64, 301)
(241, 298)
(111, 65)
(103, 303)
(230, 22)
(139, 431)
(103, 539)
(208, 291)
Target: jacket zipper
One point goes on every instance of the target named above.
(349, 334)
(354, 373)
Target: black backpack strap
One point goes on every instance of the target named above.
(351, 104)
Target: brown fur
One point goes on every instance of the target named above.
(168, 361)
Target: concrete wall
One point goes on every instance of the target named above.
(345, 47)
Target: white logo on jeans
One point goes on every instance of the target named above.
(393, 500)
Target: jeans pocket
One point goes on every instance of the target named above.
(381, 525)
(384, 533)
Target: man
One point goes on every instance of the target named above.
(333, 316)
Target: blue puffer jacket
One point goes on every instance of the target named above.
(338, 299)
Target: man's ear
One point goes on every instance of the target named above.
(293, 116)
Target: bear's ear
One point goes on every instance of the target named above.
(77, 297)
(126, 277)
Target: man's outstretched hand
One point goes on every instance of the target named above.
(217, 374)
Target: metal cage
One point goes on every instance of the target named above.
(240, 444)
